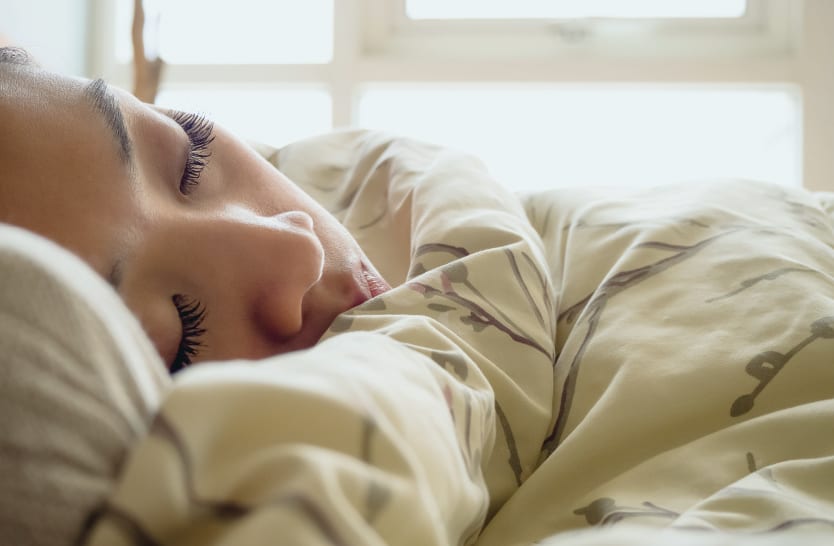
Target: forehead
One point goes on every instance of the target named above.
(53, 172)
(36, 92)
(41, 113)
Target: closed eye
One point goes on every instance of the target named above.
(200, 132)
(191, 313)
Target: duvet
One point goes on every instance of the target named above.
(566, 367)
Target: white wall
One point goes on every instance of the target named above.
(53, 31)
(816, 70)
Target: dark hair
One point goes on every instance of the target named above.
(15, 55)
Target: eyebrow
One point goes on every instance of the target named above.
(105, 102)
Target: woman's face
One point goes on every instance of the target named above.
(217, 253)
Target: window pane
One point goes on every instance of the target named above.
(535, 9)
(534, 137)
(270, 116)
(244, 31)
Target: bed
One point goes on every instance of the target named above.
(567, 367)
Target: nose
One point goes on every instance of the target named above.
(292, 264)
(252, 272)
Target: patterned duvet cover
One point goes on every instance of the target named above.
(653, 368)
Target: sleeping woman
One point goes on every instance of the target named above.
(393, 348)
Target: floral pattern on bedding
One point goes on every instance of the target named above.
(694, 342)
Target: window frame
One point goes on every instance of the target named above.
(777, 43)
(765, 28)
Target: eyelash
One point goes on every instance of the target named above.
(200, 133)
(192, 313)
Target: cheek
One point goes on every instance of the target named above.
(160, 322)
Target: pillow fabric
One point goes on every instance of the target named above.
(79, 381)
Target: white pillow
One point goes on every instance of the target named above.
(79, 381)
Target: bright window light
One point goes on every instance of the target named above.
(535, 9)
(244, 31)
(270, 116)
(536, 137)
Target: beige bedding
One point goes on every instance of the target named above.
(547, 364)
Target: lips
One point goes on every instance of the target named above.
(375, 284)
(371, 283)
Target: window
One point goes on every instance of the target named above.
(538, 136)
(245, 32)
(547, 92)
